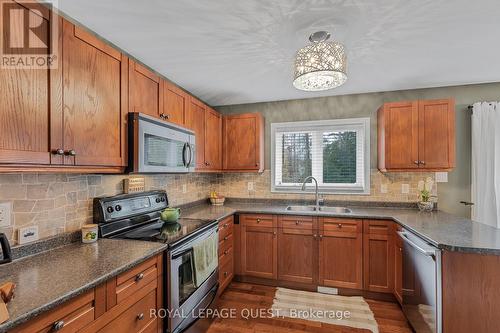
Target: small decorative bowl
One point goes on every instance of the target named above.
(426, 206)
(217, 201)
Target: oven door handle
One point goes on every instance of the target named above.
(425, 252)
(180, 254)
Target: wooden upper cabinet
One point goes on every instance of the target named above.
(213, 139)
(94, 100)
(243, 142)
(145, 90)
(25, 110)
(416, 135)
(195, 120)
(436, 134)
(175, 102)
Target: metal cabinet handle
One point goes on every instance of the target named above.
(140, 316)
(225, 274)
(225, 225)
(320, 237)
(274, 233)
(258, 220)
(226, 252)
(422, 162)
(71, 152)
(139, 277)
(315, 236)
(225, 238)
(467, 203)
(339, 225)
(58, 325)
(297, 222)
(164, 116)
(58, 151)
(416, 162)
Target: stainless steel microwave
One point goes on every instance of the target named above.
(156, 146)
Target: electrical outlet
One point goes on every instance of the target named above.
(27, 234)
(184, 188)
(250, 186)
(405, 188)
(441, 177)
(383, 188)
(5, 214)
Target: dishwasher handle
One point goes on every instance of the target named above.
(428, 253)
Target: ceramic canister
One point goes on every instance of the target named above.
(89, 233)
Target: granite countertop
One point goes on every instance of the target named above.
(443, 230)
(50, 278)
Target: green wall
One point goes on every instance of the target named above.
(366, 105)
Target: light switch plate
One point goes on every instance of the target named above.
(405, 188)
(184, 188)
(27, 234)
(5, 214)
(250, 186)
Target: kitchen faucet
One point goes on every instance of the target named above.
(317, 196)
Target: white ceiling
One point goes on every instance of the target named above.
(242, 51)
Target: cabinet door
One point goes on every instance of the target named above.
(398, 136)
(25, 110)
(437, 134)
(145, 90)
(243, 142)
(213, 139)
(94, 100)
(195, 120)
(259, 251)
(341, 253)
(378, 259)
(175, 102)
(297, 249)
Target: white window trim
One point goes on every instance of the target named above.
(363, 123)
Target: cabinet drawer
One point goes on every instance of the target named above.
(377, 227)
(258, 220)
(70, 317)
(226, 243)
(333, 226)
(135, 279)
(136, 318)
(226, 273)
(297, 222)
(226, 255)
(225, 228)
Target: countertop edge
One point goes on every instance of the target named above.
(76, 292)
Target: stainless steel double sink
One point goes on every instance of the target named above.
(329, 209)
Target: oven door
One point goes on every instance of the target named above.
(160, 147)
(185, 301)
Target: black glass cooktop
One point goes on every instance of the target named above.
(170, 233)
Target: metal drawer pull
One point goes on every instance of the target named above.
(225, 238)
(258, 220)
(58, 325)
(139, 277)
(71, 152)
(225, 274)
(140, 316)
(225, 252)
(320, 237)
(297, 222)
(59, 152)
(315, 236)
(339, 225)
(416, 162)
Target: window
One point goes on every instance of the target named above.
(335, 152)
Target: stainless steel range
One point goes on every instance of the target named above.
(137, 216)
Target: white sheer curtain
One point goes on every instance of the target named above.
(486, 163)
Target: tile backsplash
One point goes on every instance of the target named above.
(63, 202)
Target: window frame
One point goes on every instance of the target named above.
(362, 124)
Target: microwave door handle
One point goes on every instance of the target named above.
(184, 149)
(190, 154)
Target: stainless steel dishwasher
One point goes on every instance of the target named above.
(421, 284)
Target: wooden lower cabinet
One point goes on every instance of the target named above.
(341, 253)
(259, 246)
(297, 248)
(378, 257)
(122, 304)
(226, 252)
(398, 268)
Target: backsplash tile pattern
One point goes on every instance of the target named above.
(235, 185)
(63, 202)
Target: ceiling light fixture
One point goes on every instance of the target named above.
(320, 65)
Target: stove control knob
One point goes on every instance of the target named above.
(110, 209)
(162, 199)
(118, 208)
(158, 200)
